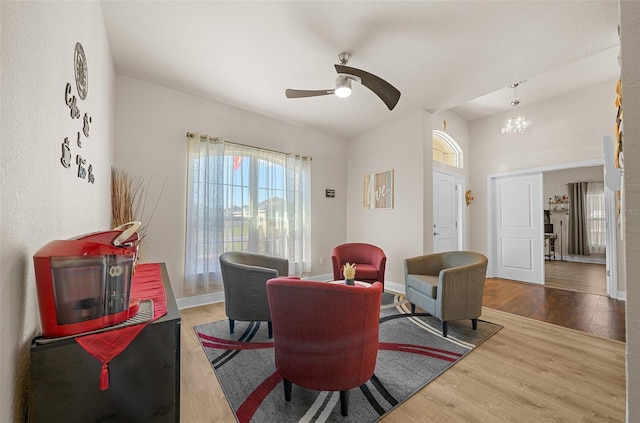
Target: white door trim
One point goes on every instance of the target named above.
(612, 243)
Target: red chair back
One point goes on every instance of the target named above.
(371, 259)
(325, 335)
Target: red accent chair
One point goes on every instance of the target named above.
(370, 261)
(325, 335)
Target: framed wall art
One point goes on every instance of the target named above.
(377, 190)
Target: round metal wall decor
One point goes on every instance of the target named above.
(82, 81)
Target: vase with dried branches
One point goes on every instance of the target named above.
(128, 200)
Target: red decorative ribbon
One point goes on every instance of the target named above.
(146, 284)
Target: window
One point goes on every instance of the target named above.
(446, 150)
(242, 198)
(596, 223)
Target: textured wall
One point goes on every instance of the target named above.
(400, 232)
(630, 21)
(40, 199)
(151, 126)
(566, 129)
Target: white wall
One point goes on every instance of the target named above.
(400, 145)
(630, 22)
(151, 126)
(41, 200)
(566, 129)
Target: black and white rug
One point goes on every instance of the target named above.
(412, 353)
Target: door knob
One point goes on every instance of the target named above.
(436, 233)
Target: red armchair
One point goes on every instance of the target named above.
(325, 335)
(370, 261)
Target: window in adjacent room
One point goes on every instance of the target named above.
(596, 223)
(446, 150)
(248, 199)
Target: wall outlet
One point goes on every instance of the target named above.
(322, 260)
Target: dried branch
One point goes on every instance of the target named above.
(129, 198)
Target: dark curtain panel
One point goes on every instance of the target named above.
(578, 237)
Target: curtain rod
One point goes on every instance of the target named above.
(192, 135)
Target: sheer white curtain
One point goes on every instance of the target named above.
(248, 199)
(596, 223)
(205, 214)
(299, 213)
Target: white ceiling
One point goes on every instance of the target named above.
(439, 54)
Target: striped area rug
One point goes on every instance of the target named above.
(412, 353)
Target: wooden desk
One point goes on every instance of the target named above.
(144, 379)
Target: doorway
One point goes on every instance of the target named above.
(537, 254)
(585, 272)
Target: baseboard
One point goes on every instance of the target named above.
(398, 288)
(581, 259)
(217, 297)
(200, 300)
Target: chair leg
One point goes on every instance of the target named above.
(474, 323)
(287, 389)
(270, 326)
(413, 309)
(344, 403)
(444, 329)
(231, 323)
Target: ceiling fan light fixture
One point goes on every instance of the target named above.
(346, 76)
(343, 86)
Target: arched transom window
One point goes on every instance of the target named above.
(446, 150)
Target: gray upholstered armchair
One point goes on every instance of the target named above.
(449, 285)
(244, 277)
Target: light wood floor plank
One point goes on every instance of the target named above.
(530, 371)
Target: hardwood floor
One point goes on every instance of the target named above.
(530, 371)
(583, 277)
(591, 313)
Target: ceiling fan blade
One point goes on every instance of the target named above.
(387, 92)
(306, 93)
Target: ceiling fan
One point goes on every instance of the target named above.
(387, 92)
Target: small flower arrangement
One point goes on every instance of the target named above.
(349, 271)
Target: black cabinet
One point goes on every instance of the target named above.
(144, 382)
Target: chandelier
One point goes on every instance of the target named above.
(517, 125)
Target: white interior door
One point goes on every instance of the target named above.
(445, 212)
(518, 222)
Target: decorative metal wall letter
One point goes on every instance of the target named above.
(377, 190)
(66, 153)
(82, 84)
